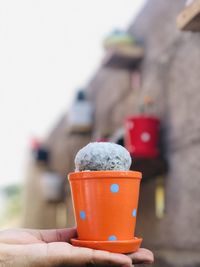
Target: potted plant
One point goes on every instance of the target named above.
(52, 186)
(142, 132)
(80, 116)
(105, 204)
(40, 152)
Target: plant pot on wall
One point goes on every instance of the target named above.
(40, 152)
(116, 39)
(142, 136)
(80, 117)
(122, 51)
(42, 155)
(144, 142)
(52, 187)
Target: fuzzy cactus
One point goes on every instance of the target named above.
(99, 156)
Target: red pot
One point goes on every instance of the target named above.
(142, 136)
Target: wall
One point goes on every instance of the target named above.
(170, 74)
(63, 147)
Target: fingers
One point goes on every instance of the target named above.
(61, 254)
(54, 235)
(29, 236)
(99, 258)
(143, 255)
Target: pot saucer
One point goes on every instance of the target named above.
(121, 246)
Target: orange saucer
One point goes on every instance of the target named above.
(123, 246)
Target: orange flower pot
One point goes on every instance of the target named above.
(105, 205)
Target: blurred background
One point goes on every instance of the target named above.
(72, 72)
(48, 51)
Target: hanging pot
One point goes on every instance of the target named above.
(117, 39)
(51, 185)
(142, 136)
(41, 155)
(80, 115)
(39, 151)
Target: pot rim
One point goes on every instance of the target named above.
(139, 117)
(104, 174)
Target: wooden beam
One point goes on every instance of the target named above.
(189, 18)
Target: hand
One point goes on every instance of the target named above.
(51, 248)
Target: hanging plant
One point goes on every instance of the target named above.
(80, 116)
(118, 38)
(142, 132)
(40, 151)
(52, 186)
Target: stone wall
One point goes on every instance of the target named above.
(63, 146)
(170, 73)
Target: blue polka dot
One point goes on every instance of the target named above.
(134, 213)
(114, 188)
(112, 238)
(82, 215)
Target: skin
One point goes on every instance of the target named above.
(51, 248)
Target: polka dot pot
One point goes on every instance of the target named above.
(105, 204)
(142, 139)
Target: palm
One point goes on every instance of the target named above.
(52, 248)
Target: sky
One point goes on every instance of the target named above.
(48, 49)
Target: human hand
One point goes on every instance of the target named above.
(51, 248)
